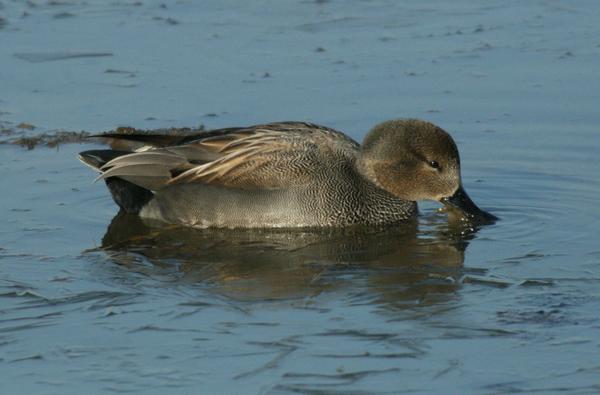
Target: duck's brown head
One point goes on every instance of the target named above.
(416, 160)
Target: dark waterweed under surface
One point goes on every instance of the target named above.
(104, 302)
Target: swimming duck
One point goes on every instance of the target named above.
(286, 174)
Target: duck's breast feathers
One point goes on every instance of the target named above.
(276, 155)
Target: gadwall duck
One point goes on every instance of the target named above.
(286, 174)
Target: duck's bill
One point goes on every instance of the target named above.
(462, 202)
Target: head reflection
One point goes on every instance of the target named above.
(408, 264)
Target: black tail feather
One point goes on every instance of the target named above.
(130, 197)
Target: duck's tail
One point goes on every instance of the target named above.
(128, 196)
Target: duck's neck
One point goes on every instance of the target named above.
(365, 168)
(374, 172)
(382, 205)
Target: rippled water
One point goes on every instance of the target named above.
(94, 302)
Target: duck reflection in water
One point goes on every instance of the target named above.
(407, 264)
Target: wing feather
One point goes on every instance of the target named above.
(264, 156)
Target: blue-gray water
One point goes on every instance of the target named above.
(96, 305)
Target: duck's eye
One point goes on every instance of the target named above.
(434, 164)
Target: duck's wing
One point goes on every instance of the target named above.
(271, 156)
